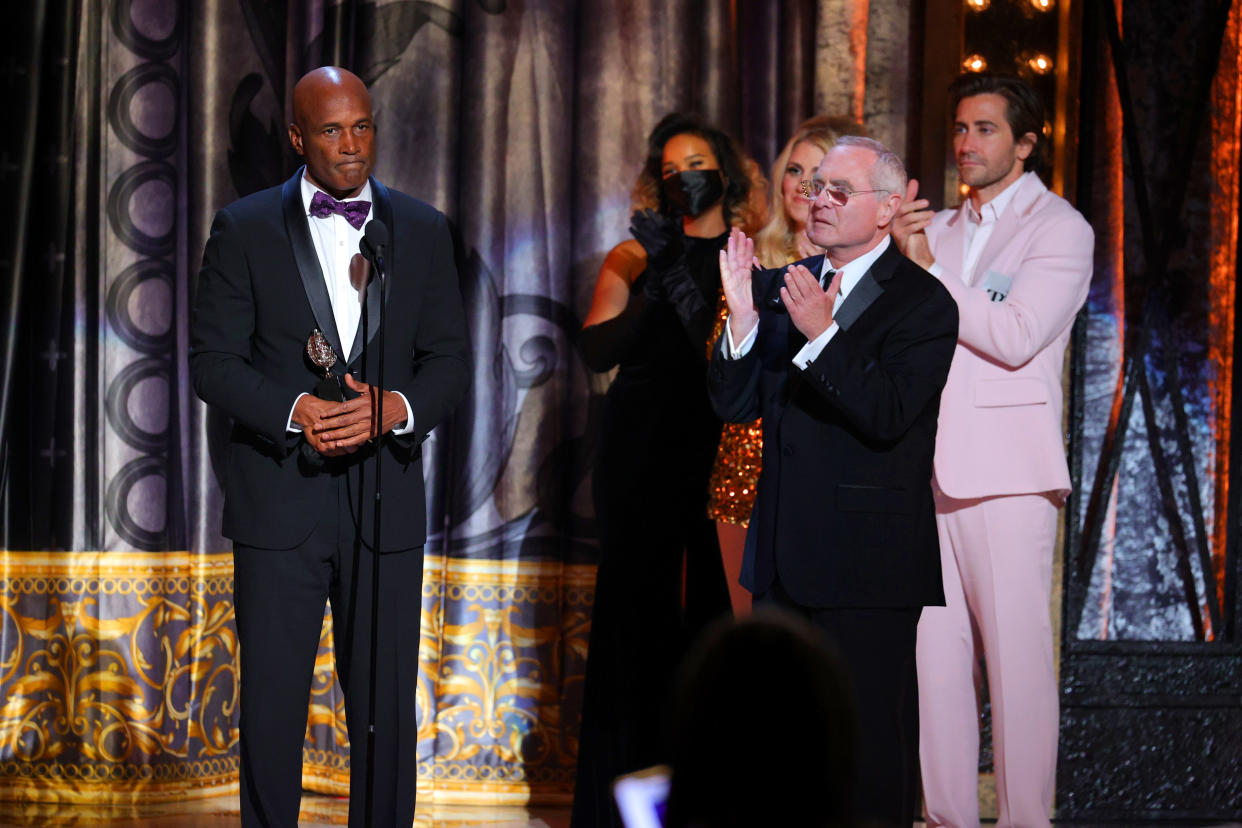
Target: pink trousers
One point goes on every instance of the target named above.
(997, 559)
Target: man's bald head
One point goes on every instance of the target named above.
(333, 129)
(318, 84)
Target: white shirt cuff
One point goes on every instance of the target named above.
(936, 270)
(811, 350)
(409, 417)
(729, 350)
(294, 428)
(290, 425)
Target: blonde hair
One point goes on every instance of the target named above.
(775, 244)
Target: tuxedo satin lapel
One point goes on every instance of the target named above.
(381, 209)
(864, 293)
(308, 263)
(372, 314)
(869, 288)
(883, 268)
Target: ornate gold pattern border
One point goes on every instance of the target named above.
(118, 676)
(502, 655)
(118, 680)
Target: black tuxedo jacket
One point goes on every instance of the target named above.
(844, 511)
(260, 294)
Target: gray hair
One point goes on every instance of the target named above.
(887, 172)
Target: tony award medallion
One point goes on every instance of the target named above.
(321, 353)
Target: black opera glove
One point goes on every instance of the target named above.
(605, 344)
(667, 278)
(660, 235)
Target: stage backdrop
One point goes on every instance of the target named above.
(1151, 720)
(523, 120)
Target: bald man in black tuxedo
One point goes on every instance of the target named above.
(299, 479)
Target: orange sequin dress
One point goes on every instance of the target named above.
(735, 474)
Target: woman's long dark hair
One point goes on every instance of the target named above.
(743, 178)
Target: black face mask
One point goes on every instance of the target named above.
(692, 191)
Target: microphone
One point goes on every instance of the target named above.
(374, 243)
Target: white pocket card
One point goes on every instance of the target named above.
(997, 285)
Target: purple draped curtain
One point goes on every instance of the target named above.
(523, 120)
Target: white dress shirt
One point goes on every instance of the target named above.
(336, 243)
(978, 229)
(851, 274)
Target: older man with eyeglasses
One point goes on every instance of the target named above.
(844, 356)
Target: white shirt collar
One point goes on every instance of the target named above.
(853, 271)
(309, 190)
(994, 208)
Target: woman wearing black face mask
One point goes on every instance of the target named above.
(660, 577)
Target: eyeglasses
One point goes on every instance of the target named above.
(811, 188)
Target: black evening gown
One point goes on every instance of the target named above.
(660, 578)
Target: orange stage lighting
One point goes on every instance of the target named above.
(974, 63)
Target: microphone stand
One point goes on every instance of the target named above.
(377, 407)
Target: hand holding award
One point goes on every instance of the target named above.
(321, 353)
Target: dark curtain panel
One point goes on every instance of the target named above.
(525, 121)
(1150, 651)
(1156, 366)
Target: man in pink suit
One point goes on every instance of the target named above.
(1017, 259)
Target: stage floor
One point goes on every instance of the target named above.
(322, 811)
(223, 812)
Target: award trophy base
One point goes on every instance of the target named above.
(330, 388)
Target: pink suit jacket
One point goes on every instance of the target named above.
(999, 431)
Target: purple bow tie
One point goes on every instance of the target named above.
(355, 212)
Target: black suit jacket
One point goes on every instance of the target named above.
(260, 294)
(844, 511)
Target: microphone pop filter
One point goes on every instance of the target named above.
(374, 243)
(376, 234)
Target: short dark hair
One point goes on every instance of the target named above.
(1024, 109)
(731, 159)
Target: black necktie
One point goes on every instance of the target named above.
(825, 282)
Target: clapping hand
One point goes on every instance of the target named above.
(660, 236)
(736, 260)
(810, 306)
(910, 227)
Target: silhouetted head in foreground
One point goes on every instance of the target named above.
(763, 730)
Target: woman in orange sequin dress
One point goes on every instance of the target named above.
(782, 241)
